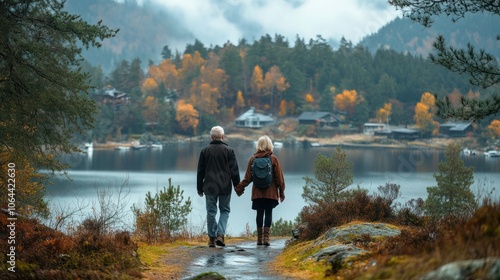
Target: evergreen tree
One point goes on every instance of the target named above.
(333, 175)
(483, 68)
(452, 195)
(43, 94)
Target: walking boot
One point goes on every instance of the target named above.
(266, 236)
(259, 236)
(211, 241)
(220, 240)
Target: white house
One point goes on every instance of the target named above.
(252, 119)
(370, 128)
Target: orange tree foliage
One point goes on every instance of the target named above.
(240, 100)
(309, 98)
(27, 183)
(205, 91)
(346, 101)
(190, 65)
(169, 73)
(282, 111)
(424, 114)
(494, 128)
(384, 113)
(274, 80)
(187, 116)
(149, 86)
(205, 98)
(256, 84)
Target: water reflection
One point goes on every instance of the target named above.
(149, 169)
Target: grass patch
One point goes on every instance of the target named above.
(295, 262)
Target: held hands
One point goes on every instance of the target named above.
(239, 191)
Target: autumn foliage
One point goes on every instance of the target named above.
(44, 253)
(494, 128)
(424, 114)
(187, 116)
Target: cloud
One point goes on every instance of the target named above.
(215, 22)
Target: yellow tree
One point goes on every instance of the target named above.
(190, 65)
(240, 100)
(149, 86)
(424, 114)
(169, 74)
(166, 74)
(256, 84)
(283, 105)
(384, 113)
(494, 128)
(205, 98)
(206, 89)
(309, 98)
(346, 101)
(187, 116)
(274, 81)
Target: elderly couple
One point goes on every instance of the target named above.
(218, 172)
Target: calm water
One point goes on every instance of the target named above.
(149, 169)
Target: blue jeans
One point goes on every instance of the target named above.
(214, 227)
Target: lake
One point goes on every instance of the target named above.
(149, 170)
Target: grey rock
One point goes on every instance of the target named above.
(463, 270)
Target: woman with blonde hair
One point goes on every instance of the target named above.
(264, 200)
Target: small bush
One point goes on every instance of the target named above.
(87, 254)
(165, 213)
(353, 205)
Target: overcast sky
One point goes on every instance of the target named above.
(215, 22)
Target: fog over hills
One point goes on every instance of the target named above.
(147, 26)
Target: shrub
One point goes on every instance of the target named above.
(165, 213)
(411, 213)
(354, 205)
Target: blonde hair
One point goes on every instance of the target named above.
(217, 132)
(264, 144)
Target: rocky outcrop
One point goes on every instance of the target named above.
(338, 245)
(353, 232)
(463, 270)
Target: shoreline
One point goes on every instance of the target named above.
(344, 141)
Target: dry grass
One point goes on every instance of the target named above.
(410, 255)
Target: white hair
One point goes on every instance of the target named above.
(217, 132)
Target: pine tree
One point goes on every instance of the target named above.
(482, 68)
(43, 93)
(333, 175)
(452, 196)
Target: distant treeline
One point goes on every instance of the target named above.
(216, 84)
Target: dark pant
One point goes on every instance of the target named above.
(261, 221)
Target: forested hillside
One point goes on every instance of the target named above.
(403, 35)
(188, 91)
(146, 29)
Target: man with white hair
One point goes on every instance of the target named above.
(217, 173)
